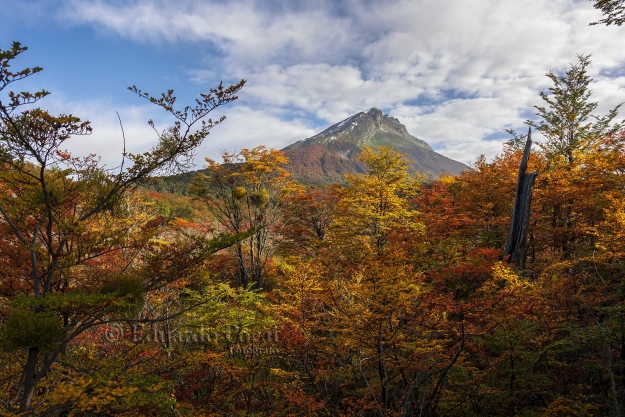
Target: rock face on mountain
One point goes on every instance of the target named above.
(328, 155)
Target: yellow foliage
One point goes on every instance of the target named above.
(505, 277)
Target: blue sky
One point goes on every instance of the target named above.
(457, 73)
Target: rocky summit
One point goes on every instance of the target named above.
(328, 155)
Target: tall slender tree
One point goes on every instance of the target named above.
(567, 119)
(572, 135)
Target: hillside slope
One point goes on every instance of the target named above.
(328, 155)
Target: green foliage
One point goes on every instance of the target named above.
(22, 329)
(567, 121)
(260, 198)
(231, 315)
(173, 184)
(129, 287)
(240, 193)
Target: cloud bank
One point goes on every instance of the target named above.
(457, 73)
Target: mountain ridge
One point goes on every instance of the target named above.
(332, 153)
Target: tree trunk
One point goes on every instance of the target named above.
(519, 227)
(30, 379)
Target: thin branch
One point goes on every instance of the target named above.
(16, 231)
(121, 126)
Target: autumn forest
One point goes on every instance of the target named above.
(252, 294)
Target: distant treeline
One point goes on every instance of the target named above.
(174, 184)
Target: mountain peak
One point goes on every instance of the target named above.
(376, 115)
(370, 128)
(333, 152)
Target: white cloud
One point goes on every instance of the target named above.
(246, 128)
(332, 93)
(243, 128)
(456, 128)
(477, 65)
(107, 140)
(241, 29)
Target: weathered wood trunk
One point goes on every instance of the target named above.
(30, 380)
(519, 227)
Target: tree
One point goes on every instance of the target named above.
(69, 218)
(613, 10)
(353, 307)
(567, 121)
(310, 216)
(375, 203)
(573, 135)
(248, 192)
